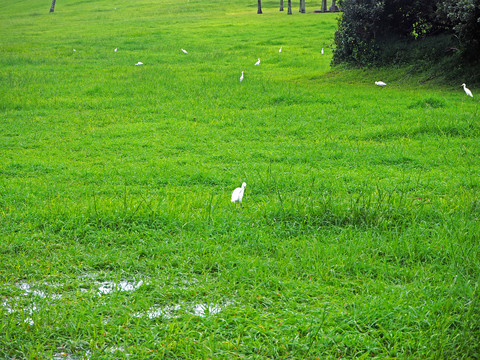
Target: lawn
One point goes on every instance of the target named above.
(358, 235)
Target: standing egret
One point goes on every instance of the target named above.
(322, 51)
(467, 91)
(241, 77)
(380, 83)
(74, 50)
(258, 62)
(280, 49)
(139, 63)
(115, 50)
(237, 194)
(184, 51)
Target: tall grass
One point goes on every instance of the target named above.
(358, 234)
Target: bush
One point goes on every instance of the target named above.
(357, 31)
(366, 25)
(463, 17)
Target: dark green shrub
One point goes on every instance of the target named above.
(357, 32)
(463, 17)
(367, 25)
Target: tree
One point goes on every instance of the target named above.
(259, 11)
(357, 31)
(333, 7)
(463, 18)
(324, 6)
(373, 31)
(289, 7)
(52, 8)
(281, 5)
(302, 6)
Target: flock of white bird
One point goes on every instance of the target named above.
(467, 90)
(257, 63)
(378, 83)
(237, 194)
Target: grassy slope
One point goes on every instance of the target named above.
(359, 231)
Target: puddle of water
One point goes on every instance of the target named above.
(6, 306)
(204, 309)
(167, 312)
(62, 355)
(11, 305)
(115, 349)
(27, 290)
(187, 283)
(65, 356)
(108, 287)
(171, 311)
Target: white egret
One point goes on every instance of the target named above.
(115, 50)
(322, 51)
(139, 63)
(237, 194)
(380, 83)
(258, 62)
(184, 51)
(280, 49)
(241, 77)
(74, 50)
(467, 91)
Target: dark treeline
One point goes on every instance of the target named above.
(333, 7)
(370, 28)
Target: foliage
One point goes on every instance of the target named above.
(463, 16)
(367, 24)
(357, 31)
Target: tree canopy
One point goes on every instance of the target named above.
(368, 24)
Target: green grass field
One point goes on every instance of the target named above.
(359, 231)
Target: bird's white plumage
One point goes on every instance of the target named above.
(322, 51)
(241, 77)
(184, 51)
(380, 83)
(258, 62)
(74, 50)
(467, 91)
(280, 49)
(139, 63)
(237, 194)
(115, 50)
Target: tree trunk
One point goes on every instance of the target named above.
(52, 8)
(334, 7)
(259, 11)
(289, 7)
(302, 6)
(281, 5)
(324, 6)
